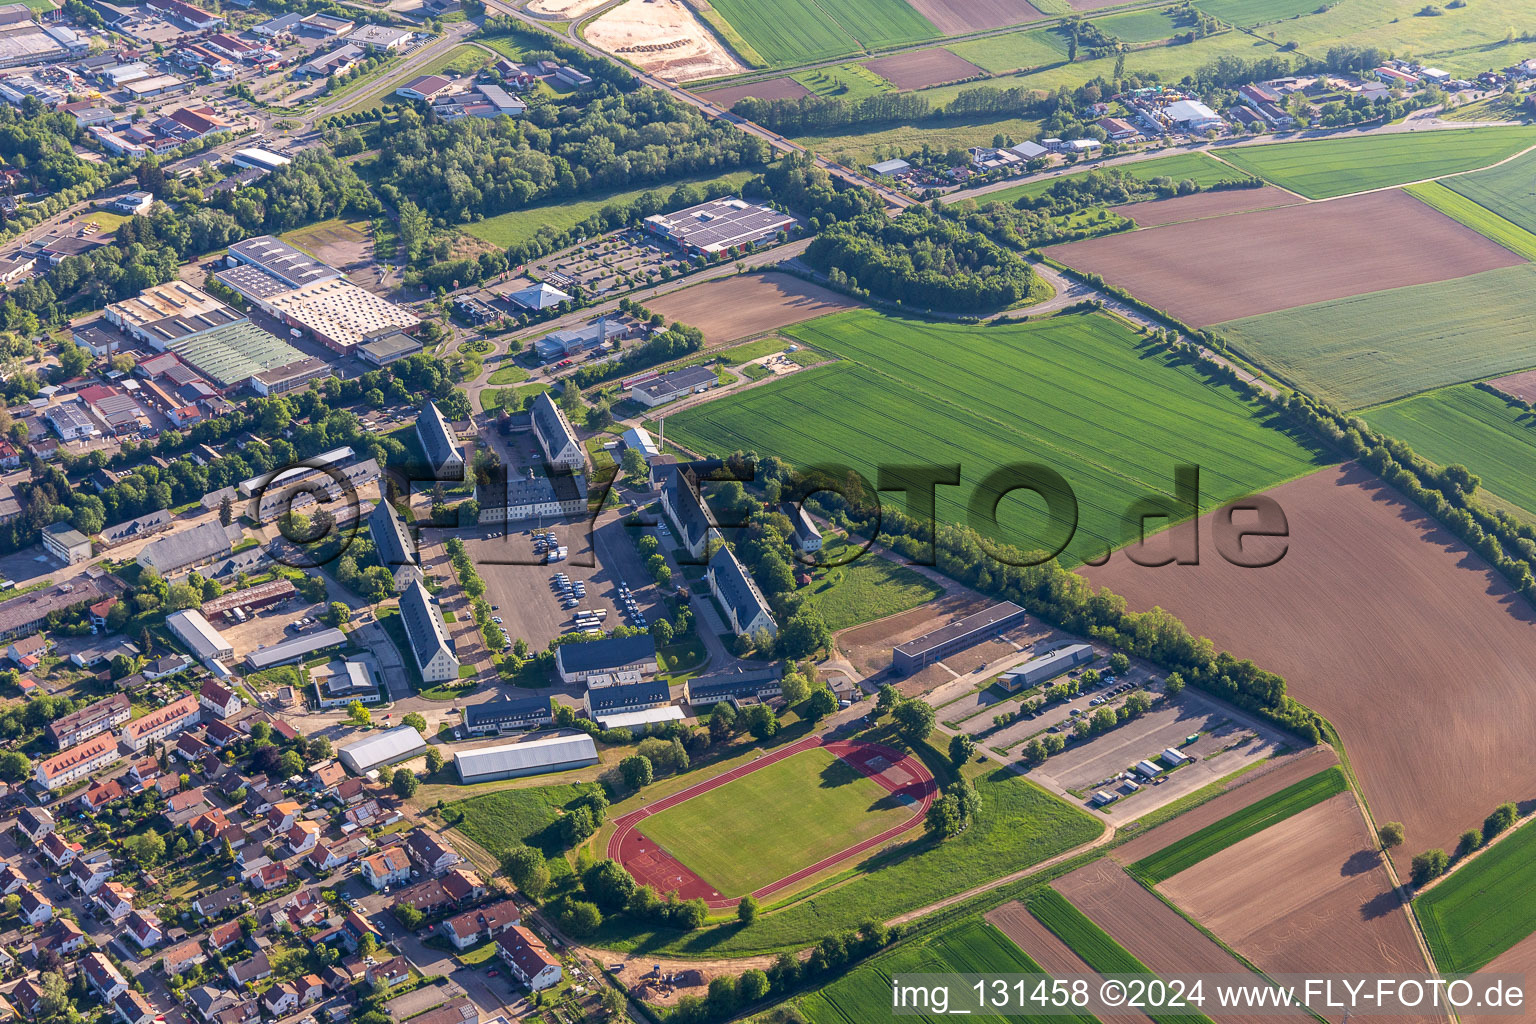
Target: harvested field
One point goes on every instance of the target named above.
(1520, 385)
(1336, 911)
(1148, 928)
(958, 17)
(1055, 957)
(1243, 791)
(1435, 712)
(1226, 268)
(739, 307)
(1519, 960)
(1204, 204)
(921, 68)
(665, 38)
(768, 89)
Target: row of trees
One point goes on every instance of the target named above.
(1431, 864)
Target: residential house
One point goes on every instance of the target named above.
(218, 699)
(303, 836)
(91, 873)
(34, 822)
(387, 867)
(219, 903)
(472, 926)
(59, 851)
(103, 976)
(145, 929)
(133, 1008)
(35, 908)
(527, 958)
(391, 972)
(270, 876)
(226, 936)
(249, 971)
(431, 853)
(183, 956)
(115, 901)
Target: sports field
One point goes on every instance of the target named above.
(1200, 168)
(1373, 348)
(1484, 908)
(1079, 396)
(970, 947)
(1466, 425)
(1476, 216)
(1508, 190)
(1336, 167)
(1249, 821)
(771, 822)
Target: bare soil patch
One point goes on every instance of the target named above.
(1223, 268)
(1151, 930)
(868, 646)
(1336, 908)
(1519, 959)
(1520, 385)
(1054, 956)
(921, 68)
(768, 89)
(1242, 791)
(566, 10)
(738, 307)
(1205, 204)
(956, 17)
(1428, 690)
(665, 38)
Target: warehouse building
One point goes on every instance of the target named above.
(924, 650)
(293, 650)
(233, 354)
(1046, 667)
(667, 387)
(381, 748)
(719, 225)
(498, 716)
(170, 312)
(608, 661)
(185, 549)
(428, 635)
(531, 757)
(193, 629)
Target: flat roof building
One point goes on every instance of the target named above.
(530, 757)
(66, 543)
(719, 224)
(280, 260)
(667, 387)
(924, 650)
(1046, 667)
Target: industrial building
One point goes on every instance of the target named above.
(428, 635)
(924, 650)
(509, 715)
(238, 605)
(608, 661)
(66, 543)
(193, 629)
(559, 344)
(719, 225)
(1046, 667)
(388, 348)
(667, 387)
(293, 650)
(170, 312)
(185, 549)
(531, 757)
(236, 353)
(382, 748)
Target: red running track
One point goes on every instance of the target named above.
(651, 865)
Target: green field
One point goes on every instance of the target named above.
(1484, 908)
(516, 225)
(508, 373)
(1141, 26)
(787, 31)
(867, 588)
(1474, 29)
(775, 821)
(1031, 48)
(1080, 395)
(1249, 821)
(970, 947)
(1336, 167)
(844, 81)
(1376, 347)
(499, 821)
(1201, 168)
(878, 23)
(1467, 425)
(1248, 13)
(1476, 216)
(1097, 948)
(1508, 190)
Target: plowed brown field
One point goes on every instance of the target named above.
(957, 17)
(1151, 930)
(1054, 956)
(1305, 895)
(1522, 385)
(739, 307)
(1520, 959)
(919, 69)
(1242, 791)
(1223, 268)
(768, 89)
(1205, 204)
(1382, 621)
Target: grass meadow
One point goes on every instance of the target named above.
(772, 822)
(1476, 216)
(1081, 395)
(1323, 168)
(1509, 190)
(865, 589)
(1200, 168)
(971, 946)
(1248, 13)
(499, 821)
(1484, 908)
(1249, 821)
(1468, 426)
(1373, 348)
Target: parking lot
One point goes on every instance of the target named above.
(617, 262)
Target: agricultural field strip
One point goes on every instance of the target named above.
(1468, 211)
(1249, 821)
(1485, 907)
(1097, 947)
(1505, 189)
